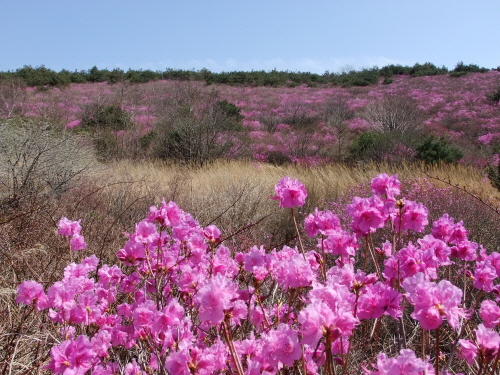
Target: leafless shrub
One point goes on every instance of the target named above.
(198, 128)
(394, 113)
(36, 159)
(336, 113)
(12, 97)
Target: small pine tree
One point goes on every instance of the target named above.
(434, 150)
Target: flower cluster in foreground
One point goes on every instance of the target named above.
(184, 303)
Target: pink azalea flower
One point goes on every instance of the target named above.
(406, 363)
(68, 228)
(282, 345)
(413, 217)
(145, 232)
(30, 291)
(215, 297)
(169, 214)
(484, 274)
(339, 243)
(255, 261)
(72, 357)
(77, 242)
(368, 214)
(434, 302)
(387, 186)
(490, 313)
(321, 222)
(212, 234)
(133, 369)
(132, 253)
(290, 193)
(487, 343)
(177, 362)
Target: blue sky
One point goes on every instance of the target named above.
(306, 35)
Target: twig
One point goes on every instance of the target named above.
(464, 189)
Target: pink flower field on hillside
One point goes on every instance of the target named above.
(295, 122)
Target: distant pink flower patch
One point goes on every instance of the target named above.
(74, 123)
(486, 139)
(144, 120)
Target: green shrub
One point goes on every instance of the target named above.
(458, 74)
(198, 128)
(109, 117)
(471, 68)
(495, 96)
(437, 150)
(230, 110)
(494, 176)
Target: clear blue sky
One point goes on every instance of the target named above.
(306, 35)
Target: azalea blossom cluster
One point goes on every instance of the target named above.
(184, 303)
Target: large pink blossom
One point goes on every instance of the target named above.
(72, 357)
(406, 363)
(216, 296)
(413, 217)
(487, 344)
(68, 227)
(490, 313)
(290, 193)
(433, 302)
(387, 186)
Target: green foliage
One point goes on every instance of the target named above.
(96, 75)
(364, 145)
(427, 69)
(199, 128)
(116, 75)
(471, 68)
(384, 146)
(495, 96)
(147, 139)
(437, 150)
(494, 176)
(230, 110)
(41, 76)
(458, 74)
(108, 117)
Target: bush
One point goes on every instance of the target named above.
(105, 117)
(394, 113)
(198, 128)
(37, 160)
(495, 96)
(494, 175)
(384, 147)
(434, 150)
(471, 68)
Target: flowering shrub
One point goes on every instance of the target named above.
(183, 303)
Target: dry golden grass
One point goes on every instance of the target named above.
(234, 194)
(221, 180)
